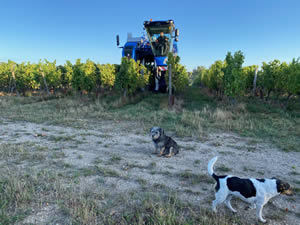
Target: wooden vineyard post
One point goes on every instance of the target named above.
(14, 86)
(45, 83)
(171, 97)
(142, 73)
(254, 81)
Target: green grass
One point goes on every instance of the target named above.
(189, 148)
(141, 181)
(294, 173)
(169, 210)
(297, 182)
(159, 186)
(10, 150)
(195, 178)
(128, 166)
(14, 192)
(106, 172)
(152, 165)
(115, 159)
(297, 190)
(191, 192)
(246, 169)
(197, 161)
(223, 169)
(58, 155)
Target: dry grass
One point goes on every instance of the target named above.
(222, 115)
(198, 115)
(9, 150)
(22, 192)
(157, 209)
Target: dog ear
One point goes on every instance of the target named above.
(151, 129)
(161, 131)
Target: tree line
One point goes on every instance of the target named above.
(223, 78)
(84, 77)
(229, 78)
(87, 76)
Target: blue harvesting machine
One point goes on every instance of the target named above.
(152, 49)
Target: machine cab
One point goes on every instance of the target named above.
(160, 39)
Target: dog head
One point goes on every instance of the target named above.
(283, 188)
(156, 132)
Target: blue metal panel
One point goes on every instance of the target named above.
(175, 48)
(161, 60)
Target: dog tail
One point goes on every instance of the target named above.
(210, 167)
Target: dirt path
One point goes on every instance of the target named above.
(123, 152)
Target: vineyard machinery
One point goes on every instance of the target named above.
(152, 49)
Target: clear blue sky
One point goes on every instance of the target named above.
(68, 29)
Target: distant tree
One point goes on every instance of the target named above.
(180, 76)
(90, 76)
(26, 77)
(215, 76)
(234, 84)
(78, 76)
(129, 78)
(197, 76)
(49, 75)
(248, 73)
(292, 85)
(4, 76)
(107, 74)
(66, 75)
(270, 76)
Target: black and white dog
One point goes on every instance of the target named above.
(257, 192)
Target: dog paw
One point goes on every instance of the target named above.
(263, 220)
(234, 211)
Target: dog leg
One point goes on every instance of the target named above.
(161, 152)
(228, 203)
(259, 212)
(170, 153)
(220, 198)
(155, 150)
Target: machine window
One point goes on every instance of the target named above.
(128, 51)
